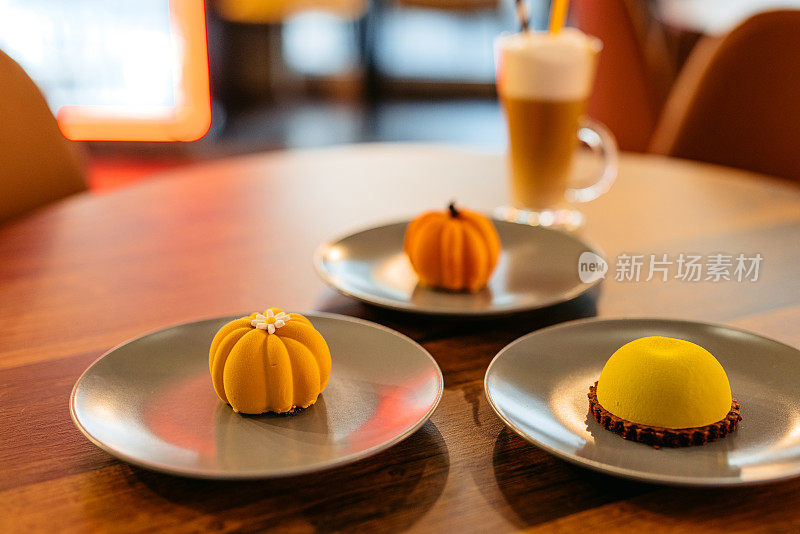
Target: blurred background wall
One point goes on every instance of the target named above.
(309, 73)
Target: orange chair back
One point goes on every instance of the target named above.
(37, 164)
(634, 71)
(737, 101)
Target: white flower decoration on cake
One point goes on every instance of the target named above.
(271, 321)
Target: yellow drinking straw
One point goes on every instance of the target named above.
(558, 14)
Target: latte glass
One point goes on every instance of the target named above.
(544, 81)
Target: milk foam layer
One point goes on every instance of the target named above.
(544, 66)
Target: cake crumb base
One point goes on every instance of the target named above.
(658, 437)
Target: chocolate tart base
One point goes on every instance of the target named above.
(293, 411)
(660, 436)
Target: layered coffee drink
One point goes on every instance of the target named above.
(544, 81)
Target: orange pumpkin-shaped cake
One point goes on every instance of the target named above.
(456, 249)
(275, 362)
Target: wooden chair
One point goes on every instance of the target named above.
(737, 100)
(634, 72)
(37, 164)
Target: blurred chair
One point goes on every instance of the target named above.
(37, 164)
(634, 72)
(737, 100)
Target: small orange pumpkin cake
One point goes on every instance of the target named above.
(271, 362)
(664, 391)
(455, 250)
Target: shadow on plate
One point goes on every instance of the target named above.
(425, 296)
(387, 492)
(539, 487)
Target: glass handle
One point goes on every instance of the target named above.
(602, 143)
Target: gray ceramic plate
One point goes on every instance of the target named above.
(150, 402)
(538, 386)
(538, 267)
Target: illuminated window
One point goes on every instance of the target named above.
(128, 70)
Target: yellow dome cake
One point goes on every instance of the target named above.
(275, 362)
(664, 391)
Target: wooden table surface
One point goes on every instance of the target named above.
(92, 271)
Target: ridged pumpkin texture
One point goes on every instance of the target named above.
(456, 249)
(257, 370)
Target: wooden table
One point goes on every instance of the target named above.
(92, 271)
